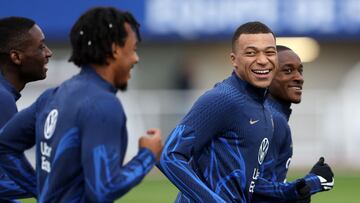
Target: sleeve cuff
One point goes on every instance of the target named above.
(147, 158)
(313, 181)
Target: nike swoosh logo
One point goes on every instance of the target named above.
(252, 122)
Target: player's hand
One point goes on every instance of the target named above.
(304, 192)
(306, 200)
(152, 141)
(324, 173)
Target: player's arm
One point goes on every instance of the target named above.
(8, 108)
(285, 154)
(320, 178)
(104, 140)
(15, 137)
(274, 191)
(196, 130)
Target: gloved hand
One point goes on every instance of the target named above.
(304, 192)
(324, 173)
(306, 200)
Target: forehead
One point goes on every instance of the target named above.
(288, 57)
(260, 41)
(131, 35)
(36, 34)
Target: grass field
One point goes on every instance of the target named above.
(157, 189)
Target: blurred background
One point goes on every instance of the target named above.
(185, 50)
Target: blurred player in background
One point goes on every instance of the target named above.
(23, 57)
(79, 127)
(214, 153)
(285, 89)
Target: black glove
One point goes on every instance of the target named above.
(304, 191)
(324, 173)
(307, 200)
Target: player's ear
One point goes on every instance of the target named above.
(233, 59)
(116, 50)
(16, 57)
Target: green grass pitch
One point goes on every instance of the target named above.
(156, 188)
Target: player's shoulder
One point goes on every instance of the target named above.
(276, 110)
(102, 102)
(215, 95)
(6, 96)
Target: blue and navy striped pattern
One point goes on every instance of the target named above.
(87, 147)
(271, 185)
(276, 163)
(212, 154)
(8, 97)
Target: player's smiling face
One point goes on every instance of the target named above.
(288, 81)
(35, 56)
(255, 58)
(126, 57)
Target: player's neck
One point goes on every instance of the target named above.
(14, 79)
(105, 72)
(281, 101)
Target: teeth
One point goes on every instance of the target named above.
(297, 88)
(261, 71)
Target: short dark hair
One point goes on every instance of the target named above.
(94, 33)
(14, 31)
(282, 48)
(255, 27)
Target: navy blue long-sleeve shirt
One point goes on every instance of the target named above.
(280, 150)
(8, 97)
(80, 132)
(271, 186)
(214, 153)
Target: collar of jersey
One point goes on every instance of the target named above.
(92, 75)
(256, 93)
(8, 86)
(280, 106)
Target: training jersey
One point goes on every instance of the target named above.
(214, 153)
(271, 185)
(80, 132)
(278, 159)
(8, 97)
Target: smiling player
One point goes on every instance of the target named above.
(23, 59)
(285, 89)
(214, 153)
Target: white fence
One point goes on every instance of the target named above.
(324, 124)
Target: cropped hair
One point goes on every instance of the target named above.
(14, 32)
(94, 33)
(282, 48)
(255, 27)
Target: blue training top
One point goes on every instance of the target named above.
(271, 186)
(280, 152)
(80, 132)
(8, 97)
(213, 155)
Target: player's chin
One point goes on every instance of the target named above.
(264, 83)
(123, 87)
(42, 73)
(295, 99)
(40, 76)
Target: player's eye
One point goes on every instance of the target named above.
(250, 53)
(287, 70)
(271, 53)
(42, 46)
(301, 71)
